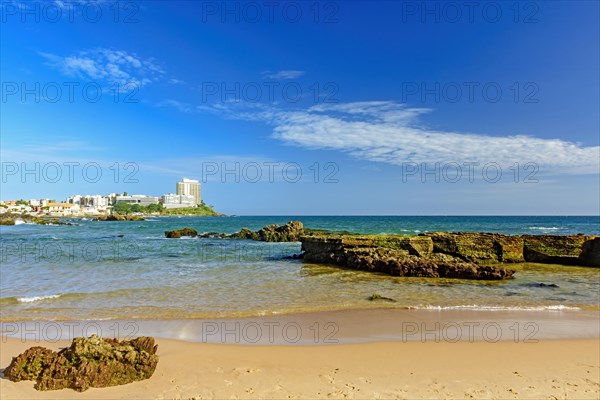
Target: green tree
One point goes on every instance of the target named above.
(122, 208)
(152, 208)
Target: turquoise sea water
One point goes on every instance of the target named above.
(112, 270)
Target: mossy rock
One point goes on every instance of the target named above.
(554, 249)
(177, 233)
(88, 362)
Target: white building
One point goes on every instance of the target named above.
(189, 187)
(178, 200)
(74, 199)
(140, 199)
(63, 209)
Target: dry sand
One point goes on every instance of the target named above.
(547, 369)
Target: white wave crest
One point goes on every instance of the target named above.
(37, 298)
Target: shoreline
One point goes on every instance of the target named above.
(333, 327)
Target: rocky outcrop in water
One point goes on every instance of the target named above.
(478, 247)
(119, 217)
(289, 232)
(177, 233)
(13, 219)
(495, 247)
(397, 256)
(466, 255)
(88, 362)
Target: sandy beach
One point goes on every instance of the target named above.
(566, 369)
(372, 354)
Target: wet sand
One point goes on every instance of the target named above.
(335, 327)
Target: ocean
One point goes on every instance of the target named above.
(129, 270)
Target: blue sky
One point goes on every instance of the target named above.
(407, 108)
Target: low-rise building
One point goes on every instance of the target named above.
(178, 200)
(139, 199)
(62, 209)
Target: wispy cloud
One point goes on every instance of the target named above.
(281, 75)
(388, 132)
(183, 107)
(107, 66)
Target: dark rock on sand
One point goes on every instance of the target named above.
(88, 362)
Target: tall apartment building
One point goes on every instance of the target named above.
(189, 187)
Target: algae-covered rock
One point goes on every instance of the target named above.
(88, 362)
(374, 255)
(177, 233)
(466, 255)
(245, 233)
(479, 247)
(119, 217)
(553, 249)
(289, 232)
(28, 365)
(509, 249)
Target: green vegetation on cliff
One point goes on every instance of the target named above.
(125, 208)
(201, 210)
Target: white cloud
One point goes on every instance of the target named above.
(285, 74)
(107, 66)
(391, 133)
(183, 107)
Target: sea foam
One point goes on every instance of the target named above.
(37, 298)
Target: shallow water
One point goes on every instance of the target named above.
(116, 270)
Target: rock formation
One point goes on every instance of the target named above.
(396, 256)
(119, 217)
(466, 255)
(289, 232)
(590, 253)
(177, 233)
(88, 362)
